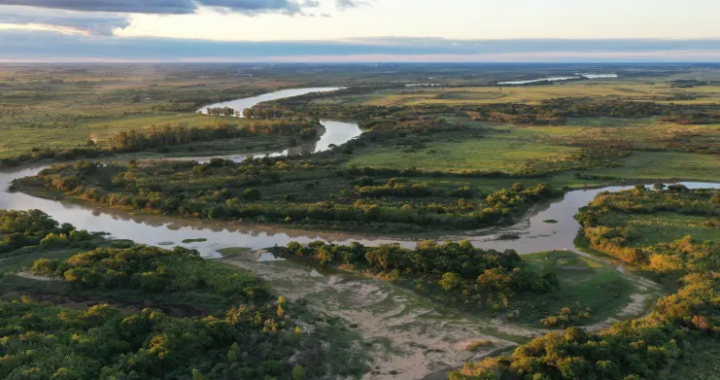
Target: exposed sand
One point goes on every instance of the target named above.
(411, 338)
(36, 277)
(636, 307)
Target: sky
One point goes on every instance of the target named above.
(360, 30)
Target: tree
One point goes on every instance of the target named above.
(280, 306)
(716, 199)
(450, 281)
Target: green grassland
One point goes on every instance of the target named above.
(516, 149)
(63, 107)
(480, 148)
(662, 227)
(605, 89)
(664, 165)
(583, 282)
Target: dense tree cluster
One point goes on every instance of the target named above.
(151, 270)
(42, 341)
(549, 112)
(19, 229)
(618, 240)
(257, 338)
(688, 118)
(646, 348)
(225, 190)
(155, 137)
(481, 279)
(166, 136)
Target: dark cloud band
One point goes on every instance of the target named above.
(159, 6)
(40, 46)
(90, 23)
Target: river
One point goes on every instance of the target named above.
(534, 234)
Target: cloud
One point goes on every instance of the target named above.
(310, 4)
(46, 46)
(89, 23)
(160, 6)
(347, 4)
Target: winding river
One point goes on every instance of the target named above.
(534, 234)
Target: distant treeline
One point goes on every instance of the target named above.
(155, 137)
(549, 112)
(165, 136)
(693, 118)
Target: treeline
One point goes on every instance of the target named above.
(166, 136)
(259, 337)
(302, 100)
(155, 137)
(548, 112)
(453, 271)
(42, 341)
(250, 113)
(650, 347)
(152, 270)
(225, 190)
(693, 118)
(616, 240)
(20, 229)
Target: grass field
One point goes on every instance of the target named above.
(662, 227)
(63, 107)
(582, 281)
(665, 165)
(491, 147)
(605, 89)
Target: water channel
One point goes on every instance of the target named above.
(534, 234)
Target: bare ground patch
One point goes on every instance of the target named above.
(411, 338)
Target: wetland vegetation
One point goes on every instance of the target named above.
(209, 319)
(462, 153)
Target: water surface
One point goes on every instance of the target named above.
(558, 79)
(242, 104)
(534, 234)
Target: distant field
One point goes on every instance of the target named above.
(665, 165)
(62, 107)
(19, 138)
(490, 147)
(624, 89)
(501, 148)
